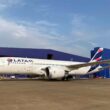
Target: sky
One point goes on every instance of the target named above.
(72, 26)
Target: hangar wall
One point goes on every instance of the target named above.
(105, 55)
(40, 53)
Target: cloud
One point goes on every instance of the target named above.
(4, 4)
(76, 36)
(46, 23)
(44, 34)
(78, 21)
(83, 34)
(14, 34)
(87, 34)
(81, 28)
(27, 35)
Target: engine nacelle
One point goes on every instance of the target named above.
(55, 72)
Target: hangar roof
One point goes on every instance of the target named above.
(40, 53)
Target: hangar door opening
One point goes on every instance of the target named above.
(49, 56)
(4, 56)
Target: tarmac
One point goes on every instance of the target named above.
(93, 94)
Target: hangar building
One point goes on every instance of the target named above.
(40, 53)
(105, 55)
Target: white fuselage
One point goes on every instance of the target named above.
(30, 65)
(16, 65)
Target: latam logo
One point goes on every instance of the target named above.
(98, 59)
(11, 60)
(100, 50)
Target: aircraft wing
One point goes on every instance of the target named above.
(88, 64)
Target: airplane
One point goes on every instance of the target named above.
(52, 69)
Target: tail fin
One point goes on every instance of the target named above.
(98, 55)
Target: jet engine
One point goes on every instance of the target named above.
(55, 72)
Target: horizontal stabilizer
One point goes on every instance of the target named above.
(105, 67)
